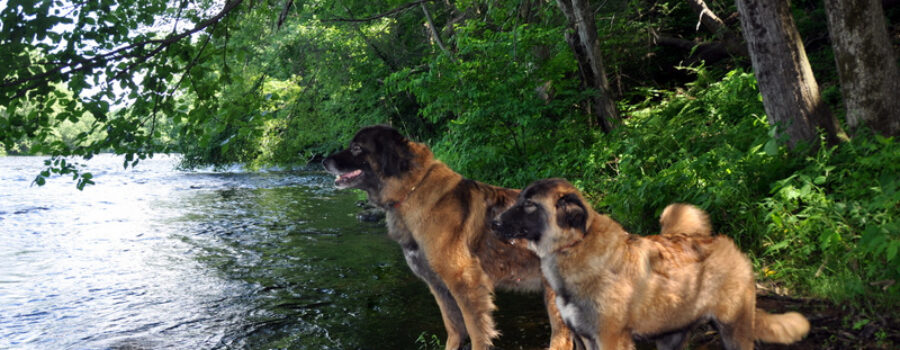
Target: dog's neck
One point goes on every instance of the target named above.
(396, 203)
(565, 248)
(394, 191)
(604, 235)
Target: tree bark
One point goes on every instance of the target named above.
(870, 80)
(789, 89)
(582, 38)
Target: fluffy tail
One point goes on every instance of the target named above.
(783, 328)
(686, 219)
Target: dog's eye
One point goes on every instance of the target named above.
(355, 149)
(530, 207)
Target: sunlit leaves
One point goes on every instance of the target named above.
(105, 62)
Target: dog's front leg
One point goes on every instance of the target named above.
(613, 338)
(560, 334)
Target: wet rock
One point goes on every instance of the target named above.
(29, 210)
(369, 212)
(370, 215)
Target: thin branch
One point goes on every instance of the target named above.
(187, 71)
(372, 45)
(397, 10)
(181, 6)
(284, 13)
(434, 31)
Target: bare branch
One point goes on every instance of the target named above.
(732, 42)
(434, 31)
(397, 10)
(708, 19)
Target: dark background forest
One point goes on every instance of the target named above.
(779, 118)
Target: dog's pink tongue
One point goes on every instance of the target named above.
(350, 175)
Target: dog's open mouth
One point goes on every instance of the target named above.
(346, 179)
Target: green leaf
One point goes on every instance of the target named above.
(819, 180)
(771, 147)
(891, 252)
(776, 247)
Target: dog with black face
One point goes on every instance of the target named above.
(612, 286)
(442, 222)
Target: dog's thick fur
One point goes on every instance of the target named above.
(684, 219)
(613, 286)
(441, 221)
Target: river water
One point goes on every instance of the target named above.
(156, 258)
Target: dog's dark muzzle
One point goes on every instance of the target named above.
(505, 230)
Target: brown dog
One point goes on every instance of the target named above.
(613, 286)
(441, 221)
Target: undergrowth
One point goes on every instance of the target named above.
(817, 222)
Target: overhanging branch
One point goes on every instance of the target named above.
(118, 54)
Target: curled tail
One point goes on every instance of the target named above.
(783, 328)
(685, 219)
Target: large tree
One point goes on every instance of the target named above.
(582, 38)
(870, 79)
(789, 89)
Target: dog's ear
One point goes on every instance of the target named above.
(571, 213)
(394, 153)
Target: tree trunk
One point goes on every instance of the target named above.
(870, 81)
(789, 89)
(582, 38)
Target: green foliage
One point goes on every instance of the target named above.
(840, 209)
(822, 223)
(260, 84)
(97, 68)
(428, 342)
(487, 97)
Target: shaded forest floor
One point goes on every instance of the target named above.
(833, 326)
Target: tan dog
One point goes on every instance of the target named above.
(441, 221)
(612, 286)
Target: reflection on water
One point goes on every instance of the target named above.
(154, 258)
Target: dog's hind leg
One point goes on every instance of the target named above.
(450, 313)
(737, 335)
(672, 340)
(452, 316)
(473, 292)
(735, 322)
